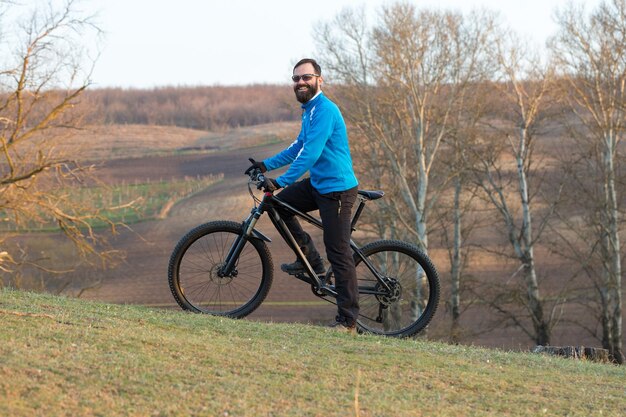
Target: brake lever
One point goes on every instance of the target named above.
(256, 176)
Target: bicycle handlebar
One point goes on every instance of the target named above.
(256, 175)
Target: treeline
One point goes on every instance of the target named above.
(202, 107)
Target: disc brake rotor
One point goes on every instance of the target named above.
(389, 297)
(215, 277)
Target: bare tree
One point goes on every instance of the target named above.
(590, 50)
(457, 213)
(42, 75)
(401, 81)
(522, 88)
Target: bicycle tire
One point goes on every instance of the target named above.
(413, 276)
(193, 265)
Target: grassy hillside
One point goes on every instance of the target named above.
(66, 357)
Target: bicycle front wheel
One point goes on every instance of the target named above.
(408, 299)
(195, 262)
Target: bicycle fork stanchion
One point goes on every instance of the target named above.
(235, 250)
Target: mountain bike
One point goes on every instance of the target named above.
(225, 268)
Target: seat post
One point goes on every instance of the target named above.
(357, 213)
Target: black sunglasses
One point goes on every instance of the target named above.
(304, 77)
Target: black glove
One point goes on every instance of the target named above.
(269, 184)
(255, 165)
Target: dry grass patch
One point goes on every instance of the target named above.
(133, 141)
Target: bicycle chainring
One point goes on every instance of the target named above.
(327, 285)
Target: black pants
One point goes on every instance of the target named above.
(336, 214)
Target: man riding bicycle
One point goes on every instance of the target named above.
(322, 149)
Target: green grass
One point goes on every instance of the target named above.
(126, 203)
(150, 197)
(67, 357)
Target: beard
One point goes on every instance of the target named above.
(305, 95)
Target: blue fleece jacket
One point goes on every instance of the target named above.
(321, 148)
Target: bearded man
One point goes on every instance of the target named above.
(321, 149)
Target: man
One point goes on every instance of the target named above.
(322, 149)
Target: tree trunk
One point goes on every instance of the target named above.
(613, 312)
(525, 246)
(455, 270)
(535, 305)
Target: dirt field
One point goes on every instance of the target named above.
(142, 278)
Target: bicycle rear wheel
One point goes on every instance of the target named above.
(409, 305)
(196, 260)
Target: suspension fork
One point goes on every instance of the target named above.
(228, 269)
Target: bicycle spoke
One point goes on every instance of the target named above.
(406, 299)
(196, 276)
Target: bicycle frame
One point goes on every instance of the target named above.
(269, 204)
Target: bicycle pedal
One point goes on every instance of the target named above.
(304, 277)
(301, 276)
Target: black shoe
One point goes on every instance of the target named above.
(298, 267)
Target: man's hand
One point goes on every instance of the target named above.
(269, 184)
(260, 165)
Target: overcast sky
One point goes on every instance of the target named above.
(151, 43)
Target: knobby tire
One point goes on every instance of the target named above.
(412, 275)
(193, 271)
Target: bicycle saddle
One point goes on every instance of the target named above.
(371, 195)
